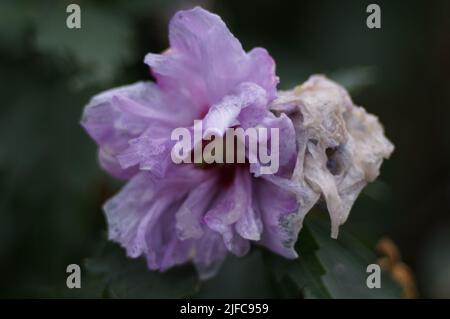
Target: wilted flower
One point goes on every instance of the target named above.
(174, 213)
(340, 146)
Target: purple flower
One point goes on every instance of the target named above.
(174, 213)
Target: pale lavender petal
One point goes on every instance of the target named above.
(115, 117)
(250, 225)
(137, 217)
(149, 152)
(229, 207)
(189, 216)
(287, 148)
(210, 253)
(126, 211)
(262, 71)
(175, 74)
(277, 209)
(225, 113)
(110, 164)
(207, 62)
(163, 248)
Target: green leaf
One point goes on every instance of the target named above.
(305, 272)
(326, 268)
(345, 261)
(245, 277)
(123, 277)
(329, 268)
(308, 270)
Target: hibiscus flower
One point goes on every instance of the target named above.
(174, 213)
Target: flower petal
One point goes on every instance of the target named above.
(285, 150)
(278, 210)
(210, 252)
(111, 165)
(141, 217)
(152, 154)
(225, 113)
(189, 216)
(230, 206)
(126, 211)
(206, 61)
(250, 226)
(262, 71)
(115, 117)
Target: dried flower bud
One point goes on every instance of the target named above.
(340, 146)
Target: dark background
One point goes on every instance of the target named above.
(51, 188)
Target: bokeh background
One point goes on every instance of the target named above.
(51, 188)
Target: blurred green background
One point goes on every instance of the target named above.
(51, 188)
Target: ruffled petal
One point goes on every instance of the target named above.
(229, 207)
(250, 225)
(111, 165)
(115, 117)
(189, 216)
(262, 71)
(126, 211)
(225, 113)
(285, 149)
(210, 252)
(206, 62)
(141, 217)
(279, 212)
(149, 152)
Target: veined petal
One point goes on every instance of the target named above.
(262, 71)
(228, 209)
(209, 253)
(207, 62)
(111, 165)
(232, 204)
(115, 117)
(126, 211)
(225, 113)
(250, 225)
(189, 216)
(278, 210)
(285, 148)
(137, 209)
(151, 154)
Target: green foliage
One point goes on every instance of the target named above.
(326, 268)
(122, 277)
